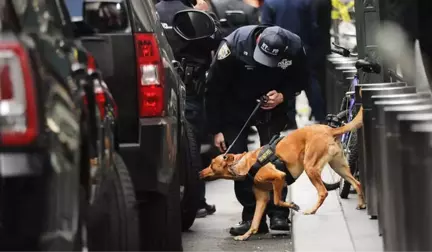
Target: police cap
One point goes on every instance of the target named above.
(271, 47)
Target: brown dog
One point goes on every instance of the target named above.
(307, 149)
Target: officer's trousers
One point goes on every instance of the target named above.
(243, 189)
(316, 99)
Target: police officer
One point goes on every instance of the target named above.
(253, 61)
(197, 55)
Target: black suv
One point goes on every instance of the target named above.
(155, 141)
(55, 130)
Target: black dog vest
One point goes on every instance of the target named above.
(268, 154)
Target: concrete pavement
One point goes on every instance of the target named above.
(211, 233)
(337, 225)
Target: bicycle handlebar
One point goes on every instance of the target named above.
(369, 67)
(342, 51)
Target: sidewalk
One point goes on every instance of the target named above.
(337, 226)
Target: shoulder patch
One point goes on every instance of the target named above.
(223, 52)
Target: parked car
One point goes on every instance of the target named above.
(155, 141)
(51, 134)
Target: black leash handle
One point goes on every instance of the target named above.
(263, 99)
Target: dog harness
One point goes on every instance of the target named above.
(268, 154)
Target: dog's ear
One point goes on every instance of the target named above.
(229, 158)
(243, 166)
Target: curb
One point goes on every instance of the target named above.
(327, 230)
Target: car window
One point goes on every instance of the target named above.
(74, 7)
(41, 15)
(106, 17)
(57, 21)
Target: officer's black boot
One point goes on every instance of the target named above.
(280, 223)
(205, 210)
(244, 226)
(247, 216)
(279, 216)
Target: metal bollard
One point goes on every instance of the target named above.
(415, 147)
(393, 172)
(371, 189)
(379, 102)
(358, 103)
(335, 79)
(391, 169)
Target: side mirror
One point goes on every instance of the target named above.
(82, 29)
(236, 18)
(193, 24)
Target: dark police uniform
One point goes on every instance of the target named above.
(197, 55)
(236, 80)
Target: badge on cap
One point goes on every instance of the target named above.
(223, 52)
(284, 63)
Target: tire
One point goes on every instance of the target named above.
(83, 206)
(113, 218)
(352, 159)
(189, 166)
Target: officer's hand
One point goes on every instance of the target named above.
(274, 99)
(219, 142)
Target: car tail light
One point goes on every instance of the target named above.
(18, 116)
(100, 101)
(91, 63)
(150, 76)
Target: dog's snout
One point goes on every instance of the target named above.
(206, 173)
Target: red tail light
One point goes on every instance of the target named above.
(150, 76)
(91, 63)
(100, 101)
(18, 116)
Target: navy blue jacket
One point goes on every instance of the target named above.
(235, 80)
(293, 15)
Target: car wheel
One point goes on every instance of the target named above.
(80, 237)
(113, 219)
(189, 181)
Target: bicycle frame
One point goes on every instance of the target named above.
(351, 103)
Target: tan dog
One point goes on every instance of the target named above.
(307, 149)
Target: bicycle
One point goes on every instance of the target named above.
(347, 113)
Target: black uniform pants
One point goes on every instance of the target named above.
(243, 189)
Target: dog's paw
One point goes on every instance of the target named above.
(309, 212)
(361, 207)
(241, 238)
(295, 207)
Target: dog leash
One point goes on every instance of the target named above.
(261, 101)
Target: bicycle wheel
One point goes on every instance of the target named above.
(351, 151)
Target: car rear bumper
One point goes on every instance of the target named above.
(152, 161)
(23, 196)
(19, 164)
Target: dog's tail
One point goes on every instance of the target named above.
(331, 187)
(356, 123)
